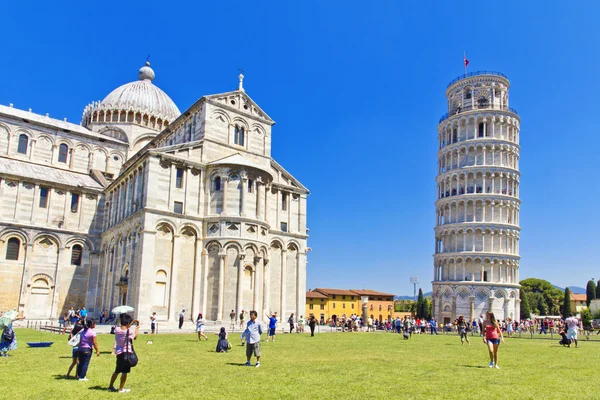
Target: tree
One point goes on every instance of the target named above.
(590, 291)
(552, 296)
(421, 311)
(598, 289)
(566, 308)
(428, 311)
(586, 318)
(525, 311)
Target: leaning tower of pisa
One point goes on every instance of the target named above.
(476, 261)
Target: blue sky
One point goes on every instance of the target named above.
(356, 90)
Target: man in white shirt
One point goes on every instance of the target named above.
(572, 326)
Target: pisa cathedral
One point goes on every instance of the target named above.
(146, 206)
(476, 261)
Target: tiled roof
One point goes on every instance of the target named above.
(341, 292)
(315, 295)
(368, 292)
(24, 170)
(578, 297)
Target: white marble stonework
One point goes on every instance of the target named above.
(145, 206)
(476, 261)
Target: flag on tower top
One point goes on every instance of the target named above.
(466, 61)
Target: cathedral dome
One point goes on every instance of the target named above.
(142, 99)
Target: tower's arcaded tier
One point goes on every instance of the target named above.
(476, 261)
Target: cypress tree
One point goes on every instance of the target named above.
(598, 289)
(566, 309)
(590, 291)
(420, 305)
(525, 310)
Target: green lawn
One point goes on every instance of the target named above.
(339, 365)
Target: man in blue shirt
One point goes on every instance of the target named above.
(252, 334)
(272, 326)
(83, 314)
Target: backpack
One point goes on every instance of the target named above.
(241, 316)
(8, 335)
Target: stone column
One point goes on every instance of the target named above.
(222, 256)
(146, 276)
(471, 308)
(267, 212)
(266, 285)
(283, 291)
(28, 247)
(301, 284)
(240, 277)
(62, 262)
(197, 288)
(517, 315)
(256, 285)
(173, 306)
(260, 188)
(453, 308)
(205, 267)
(506, 302)
(244, 184)
(225, 183)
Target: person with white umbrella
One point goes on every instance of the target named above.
(8, 339)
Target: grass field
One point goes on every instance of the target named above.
(328, 366)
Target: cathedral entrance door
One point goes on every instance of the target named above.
(39, 300)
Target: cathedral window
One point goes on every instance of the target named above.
(217, 184)
(76, 253)
(74, 202)
(178, 207)
(63, 152)
(481, 129)
(250, 185)
(284, 201)
(23, 142)
(239, 135)
(43, 197)
(179, 178)
(284, 227)
(12, 249)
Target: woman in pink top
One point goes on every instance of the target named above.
(123, 337)
(493, 336)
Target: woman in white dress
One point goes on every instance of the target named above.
(200, 327)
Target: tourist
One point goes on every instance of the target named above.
(153, 322)
(463, 330)
(509, 327)
(432, 326)
(242, 317)
(565, 341)
(83, 314)
(252, 334)
(123, 345)
(407, 329)
(74, 356)
(300, 324)
(72, 318)
(181, 317)
(398, 325)
(572, 325)
(272, 326)
(223, 343)
(493, 337)
(200, 327)
(232, 318)
(292, 322)
(369, 324)
(87, 341)
(312, 321)
(8, 340)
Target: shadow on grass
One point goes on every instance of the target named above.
(98, 387)
(64, 377)
(473, 366)
(65, 357)
(237, 364)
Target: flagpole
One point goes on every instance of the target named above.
(464, 63)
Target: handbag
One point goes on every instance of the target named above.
(130, 358)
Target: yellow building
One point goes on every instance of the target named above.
(578, 302)
(325, 304)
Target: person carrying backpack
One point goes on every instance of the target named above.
(8, 341)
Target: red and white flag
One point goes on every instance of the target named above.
(466, 61)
